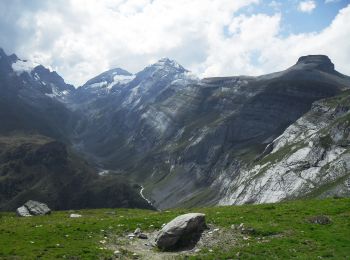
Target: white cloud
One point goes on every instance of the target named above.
(81, 38)
(307, 6)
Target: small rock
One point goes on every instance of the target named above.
(248, 231)
(75, 215)
(116, 252)
(321, 220)
(142, 236)
(233, 226)
(197, 250)
(216, 230)
(137, 231)
(131, 235)
(210, 250)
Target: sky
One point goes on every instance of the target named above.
(82, 38)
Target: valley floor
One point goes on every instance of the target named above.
(279, 231)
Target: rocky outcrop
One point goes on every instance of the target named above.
(310, 159)
(182, 231)
(321, 62)
(33, 208)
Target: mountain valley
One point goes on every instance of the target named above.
(187, 141)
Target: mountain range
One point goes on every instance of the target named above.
(173, 138)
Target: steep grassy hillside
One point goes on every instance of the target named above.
(281, 231)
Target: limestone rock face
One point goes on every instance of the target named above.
(182, 231)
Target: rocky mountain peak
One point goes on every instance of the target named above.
(166, 63)
(321, 62)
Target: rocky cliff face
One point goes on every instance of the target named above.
(310, 159)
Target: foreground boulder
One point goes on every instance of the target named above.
(182, 232)
(33, 208)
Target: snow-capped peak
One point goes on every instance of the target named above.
(166, 63)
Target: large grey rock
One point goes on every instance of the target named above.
(37, 208)
(182, 231)
(33, 208)
(23, 212)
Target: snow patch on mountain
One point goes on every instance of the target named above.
(121, 80)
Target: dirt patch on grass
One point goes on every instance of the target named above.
(126, 248)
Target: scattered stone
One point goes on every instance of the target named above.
(137, 231)
(197, 250)
(182, 231)
(216, 230)
(33, 208)
(142, 236)
(210, 250)
(321, 220)
(75, 215)
(131, 235)
(248, 231)
(244, 230)
(116, 252)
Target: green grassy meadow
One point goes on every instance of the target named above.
(283, 231)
